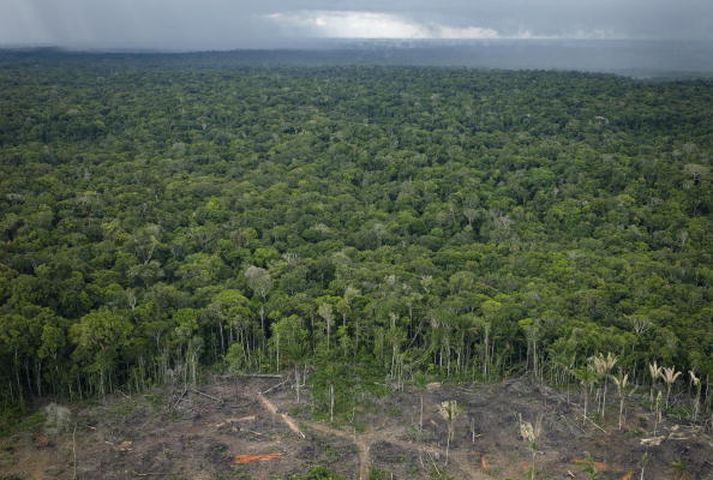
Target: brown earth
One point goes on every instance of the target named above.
(243, 428)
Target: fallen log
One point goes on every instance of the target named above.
(216, 399)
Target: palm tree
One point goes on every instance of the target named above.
(449, 410)
(696, 381)
(531, 433)
(655, 371)
(587, 377)
(622, 381)
(421, 380)
(670, 375)
(325, 311)
(657, 412)
(603, 367)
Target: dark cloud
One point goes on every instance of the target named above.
(201, 24)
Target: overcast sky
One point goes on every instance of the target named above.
(228, 24)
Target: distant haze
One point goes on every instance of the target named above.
(233, 24)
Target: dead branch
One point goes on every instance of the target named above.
(274, 387)
(593, 423)
(180, 397)
(202, 394)
(243, 405)
(433, 462)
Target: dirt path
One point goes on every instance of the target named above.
(272, 408)
(364, 441)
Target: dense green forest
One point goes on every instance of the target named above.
(161, 219)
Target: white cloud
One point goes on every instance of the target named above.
(358, 24)
(366, 24)
(443, 31)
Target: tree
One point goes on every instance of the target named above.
(99, 337)
(421, 381)
(655, 372)
(325, 311)
(532, 332)
(186, 321)
(289, 338)
(603, 366)
(587, 377)
(260, 282)
(697, 384)
(531, 433)
(669, 376)
(449, 410)
(232, 309)
(622, 383)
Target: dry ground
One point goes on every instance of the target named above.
(199, 434)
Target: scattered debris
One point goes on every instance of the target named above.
(274, 387)
(243, 459)
(125, 446)
(40, 440)
(653, 441)
(198, 440)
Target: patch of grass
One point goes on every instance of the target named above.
(680, 468)
(378, 474)
(123, 408)
(495, 472)
(317, 473)
(590, 469)
(439, 475)
(330, 453)
(13, 420)
(155, 400)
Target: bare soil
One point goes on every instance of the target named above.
(230, 429)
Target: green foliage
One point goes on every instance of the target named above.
(357, 386)
(18, 420)
(368, 223)
(589, 468)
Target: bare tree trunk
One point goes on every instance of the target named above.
(621, 412)
(331, 403)
(585, 390)
(534, 453)
(74, 452)
(222, 337)
(448, 445)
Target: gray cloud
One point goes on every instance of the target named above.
(225, 24)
